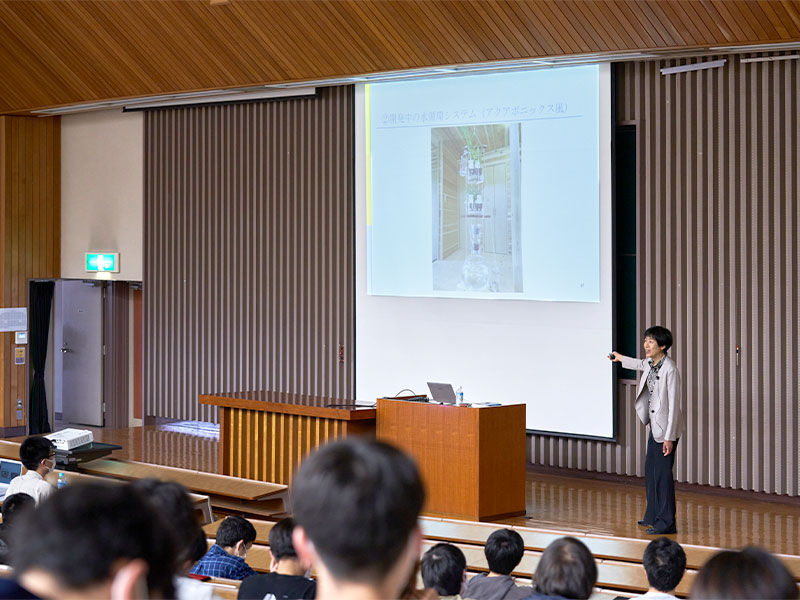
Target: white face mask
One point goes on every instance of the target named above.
(52, 464)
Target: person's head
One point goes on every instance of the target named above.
(444, 568)
(235, 535)
(15, 506)
(657, 341)
(749, 573)
(356, 503)
(171, 500)
(664, 562)
(281, 547)
(38, 454)
(503, 550)
(90, 539)
(566, 569)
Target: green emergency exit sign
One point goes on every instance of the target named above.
(97, 262)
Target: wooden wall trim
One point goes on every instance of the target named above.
(30, 235)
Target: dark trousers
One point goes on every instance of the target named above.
(659, 485)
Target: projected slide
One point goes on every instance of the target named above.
(485, 187)
(474, 189)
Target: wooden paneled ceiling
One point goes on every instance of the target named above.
(60, 52)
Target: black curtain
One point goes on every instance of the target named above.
(41, 302)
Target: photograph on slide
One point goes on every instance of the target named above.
(475, 185)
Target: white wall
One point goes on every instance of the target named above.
(102, 190)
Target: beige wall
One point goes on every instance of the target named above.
(102, 188)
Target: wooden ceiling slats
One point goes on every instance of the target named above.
(359, 32)
(638, 36)
(285, 66)
(381, 29)
(544, 38)
(743, 16)
(429, 47)
(517, 34)
(771, 10)
(666, 18)
(405, 12)
(592, 36)
(644, 20)
(552, 16)
(55, 53)
(473, 17)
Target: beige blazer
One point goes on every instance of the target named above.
(663, 412)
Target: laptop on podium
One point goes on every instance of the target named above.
(442, 392)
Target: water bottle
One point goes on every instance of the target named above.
(459, 396)
(62, 480)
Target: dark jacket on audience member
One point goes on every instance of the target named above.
(498, 587)
(291, 587)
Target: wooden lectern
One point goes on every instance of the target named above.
(472, 460)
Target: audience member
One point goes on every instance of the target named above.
(226, 558)
(749, 573)
(356, 503)
(94, 541)
(411, 592)
(38, 455)
(287, 571)
(566, 570)
(664, 563)
(503, 550)
(172, 502)
(14, 506)
(444, 568)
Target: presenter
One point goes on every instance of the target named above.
(658, 403)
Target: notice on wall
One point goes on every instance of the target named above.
(13, 319)
(19, 356)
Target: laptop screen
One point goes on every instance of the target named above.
(9, 469)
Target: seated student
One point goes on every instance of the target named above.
(226, 557)
(749, 573)
(14, 507)
(444, 568)
(566, 570)
(38, 455)
(356, 503)
(93, 540)
(172, 502)
(287, 577)
(664, 563)
(503, 551)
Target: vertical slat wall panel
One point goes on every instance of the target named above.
(248, 251)
(719, 220)
(117, 359)
(30, 234)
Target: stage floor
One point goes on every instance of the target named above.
(562, 500)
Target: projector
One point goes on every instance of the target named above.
(67, 439)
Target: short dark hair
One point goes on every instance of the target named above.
(233, 529)
(15, 506)
(566, 569)
(664, 562)
(358, 501)
(749, 573)
(443, 569)
(35, 449)
(172, 501)
(79, 534)
(661, 335)
(503, 550)
(280, 539)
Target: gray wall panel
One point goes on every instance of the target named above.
(248, 251)
(719, 215)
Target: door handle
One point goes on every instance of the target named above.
(64, 350)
